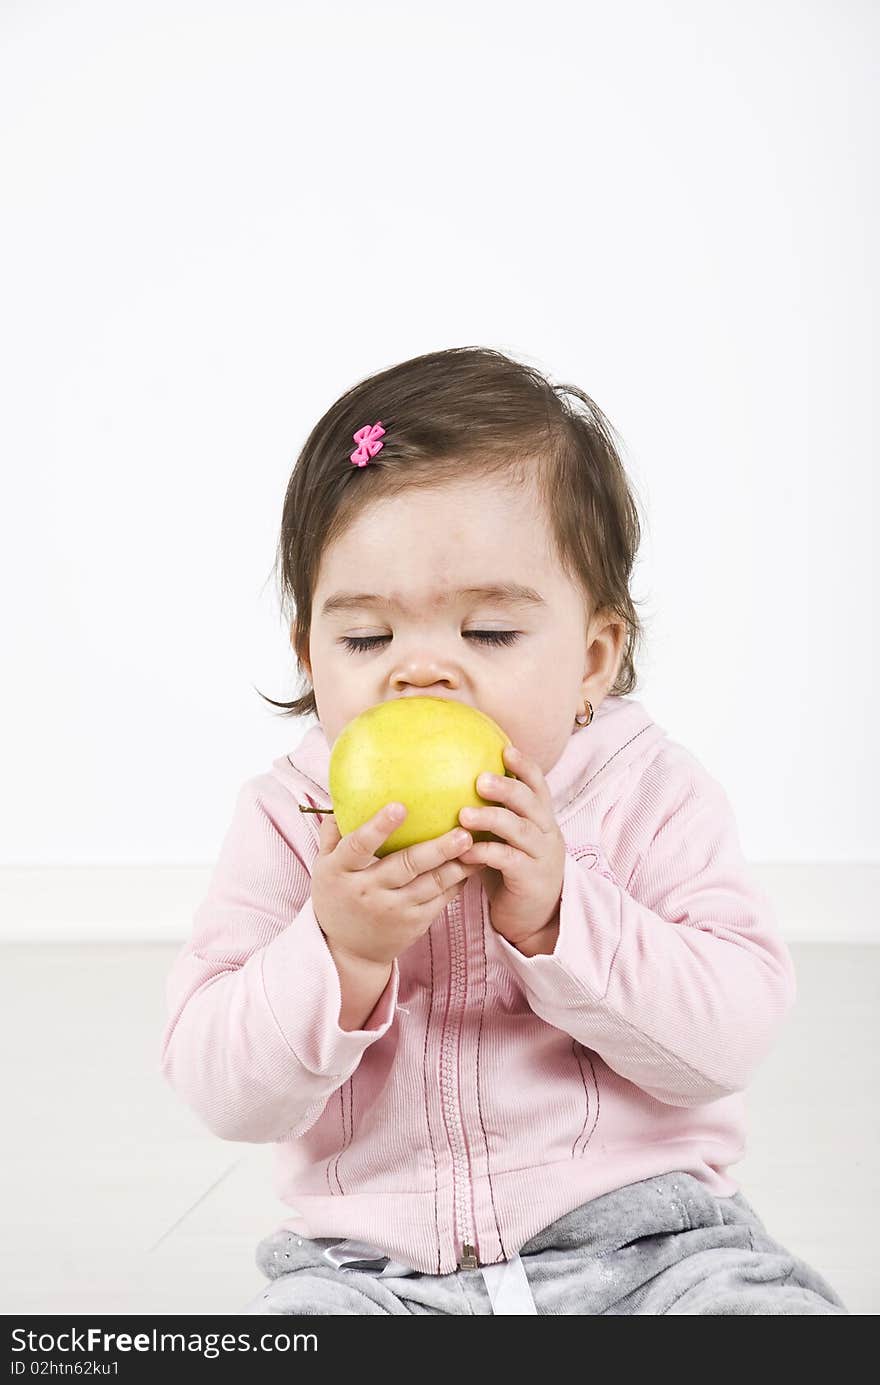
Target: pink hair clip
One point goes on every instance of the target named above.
(369, 444)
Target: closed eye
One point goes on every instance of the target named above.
(362, 644)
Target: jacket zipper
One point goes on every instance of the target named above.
(460, 1167)
(449, 1044)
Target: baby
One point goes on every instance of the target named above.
(506, 1075)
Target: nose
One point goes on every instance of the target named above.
(423, 677)
(411, 689)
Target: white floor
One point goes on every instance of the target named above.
(116, 1200)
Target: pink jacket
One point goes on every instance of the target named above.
(489, 1092)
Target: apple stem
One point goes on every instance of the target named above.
(314, 810)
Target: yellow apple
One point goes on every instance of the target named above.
(424, 752)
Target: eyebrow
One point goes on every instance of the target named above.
(502, 593)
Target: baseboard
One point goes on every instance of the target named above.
(823, 903)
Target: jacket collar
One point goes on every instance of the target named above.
(621, 731)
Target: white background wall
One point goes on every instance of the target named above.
(215, 217)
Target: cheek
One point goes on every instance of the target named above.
(540, 730)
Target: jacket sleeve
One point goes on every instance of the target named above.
(252, 1041)
(681, 980)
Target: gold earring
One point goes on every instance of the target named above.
(582, 718)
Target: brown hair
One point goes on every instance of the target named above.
(447, 415)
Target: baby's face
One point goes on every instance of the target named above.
(528, 665)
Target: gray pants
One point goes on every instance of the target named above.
(663, 1245)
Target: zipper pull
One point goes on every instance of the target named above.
(468, 1259)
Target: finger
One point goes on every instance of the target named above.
(520, 832)
(526, 769)
(328, 834)
(402, 866)
(435, 884)
(358, 848)
(519, 796)
(512, 792)
(499, 855)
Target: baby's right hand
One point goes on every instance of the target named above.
(373, 908)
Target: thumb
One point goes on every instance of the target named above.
(329, 835)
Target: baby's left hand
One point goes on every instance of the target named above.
(525, 886)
